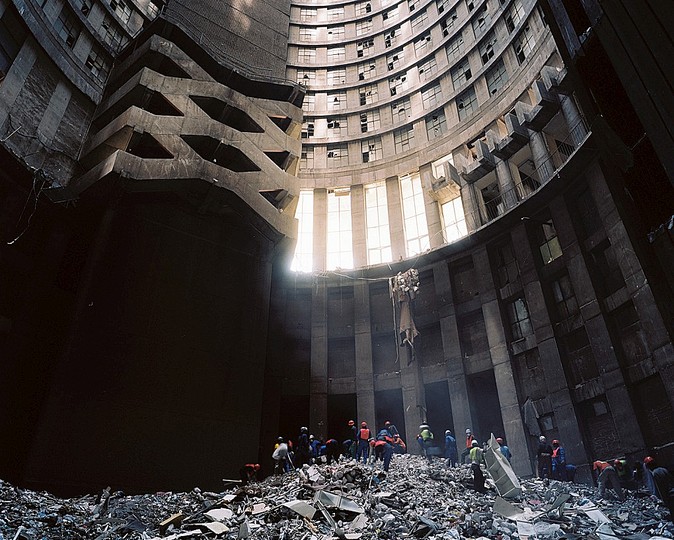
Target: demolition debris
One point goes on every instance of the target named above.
(416, 499)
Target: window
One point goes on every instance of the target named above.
(507, 269)
(335, 33)
(371, 149)
(336, 13)
(428, 68)
(442, 5)
(363, 27)
(366, 71)
(391, 37)
(309, 103)
(412, 5)
(403, 139)
(336, 76)
(564, 297)
(363, 8)
(548, 244)
(394, 60)
(606, 268)
(335, 54)
(514, 15)
(307, 34)
(307, 157)
(436, 124)
(454, 220)
(338, 155)
(397, 84)
(368, 94)
(487, 46)
(471, 5)
(336, 101)
(578, 358)
(461, 73)
(308, 128)
(97, 64)
(419, 21)
(67, 27)
(304, 250)
(306, 56)
(431, 96)
(365, 47)
(454, 48)
(391, 14)
(447, 23)
(339, 245)
(306, 76)
(481, 20)
(414, 215)
(422, 44)
(376, 218)
(400, 110)
(496, 77)
(518, 315)
(308, 14)
(121, 9)
(466, 103)
(524, 44)
(369, 121)
(337, 126)
(112, 35)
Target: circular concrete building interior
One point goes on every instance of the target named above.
(226, 220)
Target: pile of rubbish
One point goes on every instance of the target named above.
(415, 499)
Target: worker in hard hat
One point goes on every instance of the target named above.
(503, 448)
(608, 477)
(544, 457)
(364, 438)
(469, 444)
(476, 459)
(248, 473)
(451, 452)
(558, 459)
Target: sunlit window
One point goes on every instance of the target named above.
(376, 217)
(339, 245)
(302, 262)
(414, 215)
(454, 220)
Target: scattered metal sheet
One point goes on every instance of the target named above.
(215, 527)
(334, 500)
(302, 508)
(220, 514)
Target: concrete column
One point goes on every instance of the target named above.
(574, 120)
(358, 226)
(503, 373)
(470, 207)
(540, 155)
(318, 387)
(414, 398)
(363, 338)
(432, 207)
(16, 78)
(320, 228)
(395, 218)
(506, 183)
(456, 376)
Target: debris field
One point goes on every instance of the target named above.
(415, 499)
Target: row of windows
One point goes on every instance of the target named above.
(339, 240)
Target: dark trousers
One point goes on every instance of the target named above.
(544, 466)
(478, 477)
(363, 450)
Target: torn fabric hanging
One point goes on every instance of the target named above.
(404, 287)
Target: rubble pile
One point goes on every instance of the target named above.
(415, 499)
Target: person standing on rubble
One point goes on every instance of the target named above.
(469, 444)
(364, 437)
(332, 450)
(647, 476)
(451, 452)
(425, 439)
(315, 446)
(505, 451)
(544, 457)
(608, 477)
(558, 461)
(476, 459)
(280, 457)
(303, 453)
(351, 442)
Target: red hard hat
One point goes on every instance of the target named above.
(555, 442)
(648, 459)
(351, 422)
(499, 440)
(256, 466)
(387, 423)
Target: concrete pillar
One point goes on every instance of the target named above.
(358, 226)
(506, 184)
(318, 387)
(433, 220)
(574, 120)
(414, 398)
(320, 228)
(456, 376)
(470, 207)
(395, 218)
(503, 373)
(363, 339)
(540, 155)
(16, 77)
